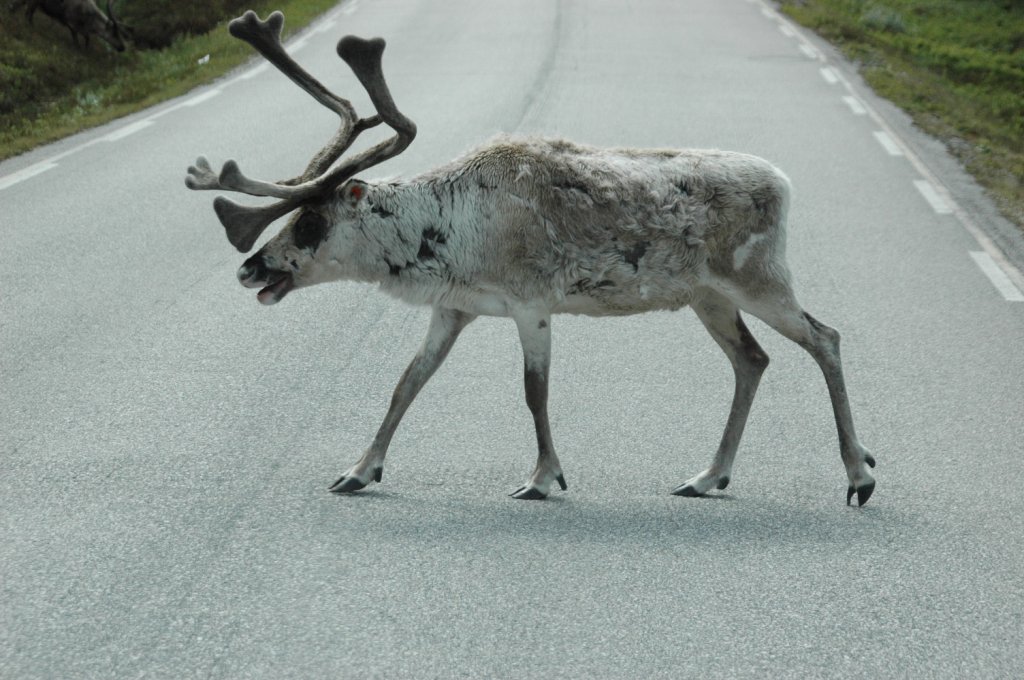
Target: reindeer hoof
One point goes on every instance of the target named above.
(863, 493)
(348, 484)
(561, 482)
(529, 493)
(687, 490)
(870, 460)
(697, 487)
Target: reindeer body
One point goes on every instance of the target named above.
(563, 227)
(80, 17)
(527, 228)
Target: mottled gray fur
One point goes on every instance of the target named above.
(576, 229)
(527, 227)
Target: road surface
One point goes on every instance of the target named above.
(167, 443)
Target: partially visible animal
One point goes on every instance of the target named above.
(527, 228)
(81, 17)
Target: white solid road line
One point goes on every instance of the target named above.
(126, 130)
(199, 99)
(25, 173)
(254, 71)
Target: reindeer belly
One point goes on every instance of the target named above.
(633, 278)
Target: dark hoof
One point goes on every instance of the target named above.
(722, 483)
(528, 493)
(347, 485)
(870, 460)
(863, 493)
(561, 482)
(686, 490)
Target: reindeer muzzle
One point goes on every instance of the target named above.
(274, 284)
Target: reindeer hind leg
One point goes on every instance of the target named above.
(779, 309)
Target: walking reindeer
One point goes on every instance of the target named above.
(526, 228)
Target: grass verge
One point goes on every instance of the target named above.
(50, 88)
(956, 66)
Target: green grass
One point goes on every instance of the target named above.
(956, 66)
(49, 88)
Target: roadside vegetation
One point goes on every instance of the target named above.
(49, 87)
(956, 66)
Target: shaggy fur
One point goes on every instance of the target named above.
(527, 228)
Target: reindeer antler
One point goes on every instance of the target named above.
(245, 224)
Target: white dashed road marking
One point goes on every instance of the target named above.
(1006, 278)
(809, 51)
(25, 173)
(937, 202)
(997, 276)
(855, 106)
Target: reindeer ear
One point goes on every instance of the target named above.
(353, 192)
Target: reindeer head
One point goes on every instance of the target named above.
(323, 193)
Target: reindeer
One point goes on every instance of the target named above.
(527, 228)
(80, 17)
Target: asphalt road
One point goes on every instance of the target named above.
(166, 443)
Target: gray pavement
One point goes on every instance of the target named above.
(166, 442)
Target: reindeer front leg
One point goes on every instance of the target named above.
(535, 336)
(445, 326)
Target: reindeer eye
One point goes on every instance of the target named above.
(310, 230)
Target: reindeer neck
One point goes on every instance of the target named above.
(406, 227)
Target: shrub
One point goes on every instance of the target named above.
(156, 23)
(882, 18)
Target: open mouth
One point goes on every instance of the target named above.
(279, 285)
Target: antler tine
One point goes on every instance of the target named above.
(201, 176)
(244, 224)
(265, 38)
(364, 57)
